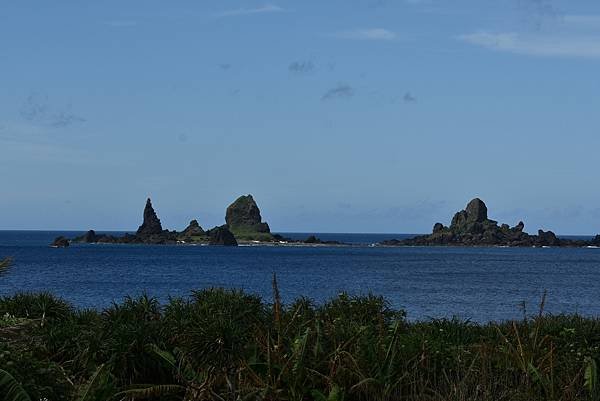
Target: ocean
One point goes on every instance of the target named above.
(480, 284)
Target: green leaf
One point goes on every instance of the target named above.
(150, 391)
(591, 376)
(11, 388)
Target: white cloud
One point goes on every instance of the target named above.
(556, 45)
(269, 8)
(367, 34)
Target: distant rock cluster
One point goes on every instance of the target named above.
(469, 227)
(472, 227)
(242, 217)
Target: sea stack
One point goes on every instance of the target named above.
(151, 224)
(243, 216)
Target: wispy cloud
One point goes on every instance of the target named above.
(340, 91)
(555, 45)
(367, 34)
(301, 67)
(409, 98)
(36, 109)
(539, 12)
(268, 8)
(225, 66)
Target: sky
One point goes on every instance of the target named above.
(337, 115)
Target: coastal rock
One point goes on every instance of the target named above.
(547, 238)
(151, 224)
(519, 227)
(193, 230)
(243, 216)
(60, 242)
(438, 227)
(471, 217)
(221, 236)
(89, 238)
(313, 240)
(471, 227)
(476, 211)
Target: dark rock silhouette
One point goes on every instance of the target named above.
(314, 240)
(193, 230)
(221, 236)
(472, 227)
(60, 242)
(547, 238)
(243, 216)
(89, 238)
(151, 224)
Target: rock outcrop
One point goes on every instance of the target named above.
(221, 236)
(150, 232)
(89, 237)
(151, 224)
(60, 242)
(243, 216)
(313, 240)
(472, 227)
(193, 230)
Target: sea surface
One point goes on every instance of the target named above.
(481, 284)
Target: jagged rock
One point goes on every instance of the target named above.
(596, 241)
(547, 238)
(477, 211)
(312, 240)
(222, 236)
(89, 238)
(151, 224)
(243, 216)
(466, 220)
(471, 227)
(519, 227)
(60, 242)
(193, 230)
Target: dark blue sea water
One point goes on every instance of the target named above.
(481, 284)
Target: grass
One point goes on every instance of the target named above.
(220, 344)
(5, 264)
(241, 235)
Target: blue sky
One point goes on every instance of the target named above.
(338, 116)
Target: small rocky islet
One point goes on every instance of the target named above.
(472, 227)
(243, 223)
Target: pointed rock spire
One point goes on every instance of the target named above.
(151, 224)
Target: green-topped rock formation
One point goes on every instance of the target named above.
(245, 222)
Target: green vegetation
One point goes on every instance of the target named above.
(5, 264)
(221, 344)
(244, 235)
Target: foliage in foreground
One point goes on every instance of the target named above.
(227, 345)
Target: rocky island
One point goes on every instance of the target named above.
(472, 227)
(152, 232)
(243, 218)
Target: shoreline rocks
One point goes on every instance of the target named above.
(222, 236)
(60, 242)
